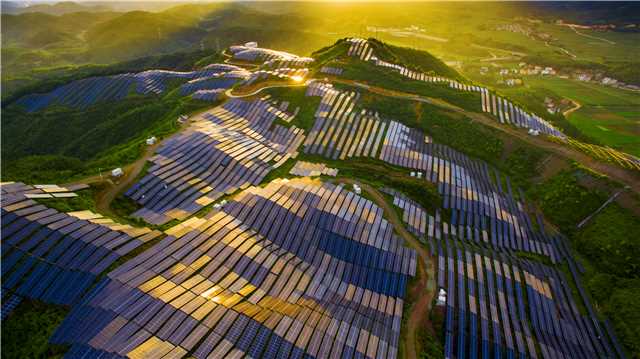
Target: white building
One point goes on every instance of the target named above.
(151, 140)
(251, 44)
(357, 189)
(442, 298)
(117, 172)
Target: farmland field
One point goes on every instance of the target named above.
(608, 115)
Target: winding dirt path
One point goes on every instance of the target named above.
(131, 171)
(229, 93)
(576, 107)
(418, 315)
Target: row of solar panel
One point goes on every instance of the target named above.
(9, 304)
(530, 317)
(462, 189)
(267, 55)
(207, 83)
(56, 256)
(413, 214)
(502, 109)
(231, 147)
(281, 73)
(208, 95)
(360, 48)
(509, 113)
(242, 282)
(331, 70)
(342, 133)
(607, 154)
(86, 92)
(466, 185)
(310, 169)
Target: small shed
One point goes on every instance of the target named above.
(442, 298)
(251, 44)
(357, 189)
(117, 172)
(152, 140)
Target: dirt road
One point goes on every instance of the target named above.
(418, 316)
(576, 107)
(131, 171)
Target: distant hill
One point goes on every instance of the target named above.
(60, 8)
(37, 42)
(419, 60)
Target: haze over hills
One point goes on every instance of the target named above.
(276, 179)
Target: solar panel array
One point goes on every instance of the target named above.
(223, 80)
(482, 211)
(512, 114)
(360, 48)
(9, 304)
(272, 58)
(86, 92)
(331, 70)
(413, 214)
(500, 107)
(486, 310)
(326, 279)
(208, 95)
(40, 191)
(607, 154)
(310, 169)
(283, 73)
(55, 257)
(228, 148)
(339, 132)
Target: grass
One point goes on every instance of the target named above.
(296, 98)
(105, 136)
(26, 332)
(607, 247)
(418, 60)
(607, 116)
(380, 174)
(382, 77)
(84, 201)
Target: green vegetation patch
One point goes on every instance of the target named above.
(564, 201)
(381, 174)
(60, 144)
(607, 246)
(414, 59)
(519, 160)
(26, 332)
(84, 201)
(297, 99)
(383, 77)
(326, 54)
(612, 239)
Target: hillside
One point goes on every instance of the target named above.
(430, 183)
